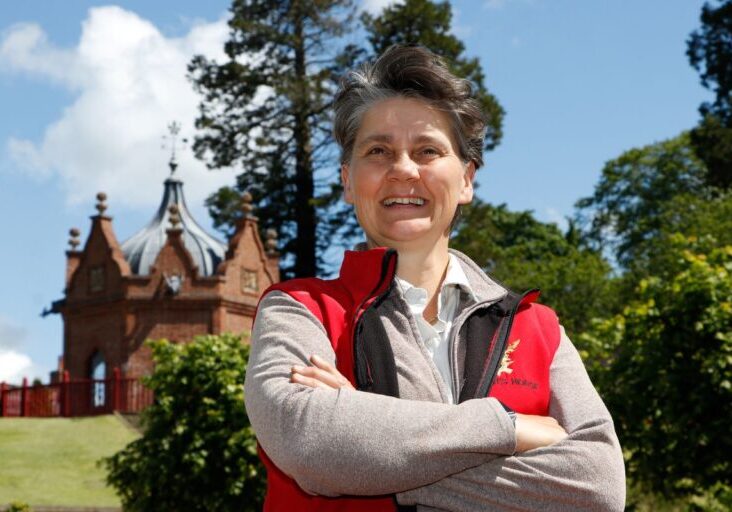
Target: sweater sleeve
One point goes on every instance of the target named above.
(585, 471)
(335, 442)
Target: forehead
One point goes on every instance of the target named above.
(403, 118)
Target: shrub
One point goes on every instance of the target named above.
(664, 368)
(18, 506)
(198, 450)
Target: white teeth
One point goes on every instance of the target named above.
(403, 200)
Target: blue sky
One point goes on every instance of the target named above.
(87, 89)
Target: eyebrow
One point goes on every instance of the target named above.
(385, 138)
(376, 138)
(430, 139)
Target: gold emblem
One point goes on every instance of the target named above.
(506, 359)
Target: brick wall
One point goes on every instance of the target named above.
(107, 309)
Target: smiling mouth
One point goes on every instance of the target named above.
(391, 201)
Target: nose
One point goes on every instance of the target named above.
(404, 168)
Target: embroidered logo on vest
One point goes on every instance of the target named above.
(506, 361)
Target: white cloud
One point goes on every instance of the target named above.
(25, 47)
(376, 6)
(500, 4)
(27, 157)
(130, 82)
(14, 365)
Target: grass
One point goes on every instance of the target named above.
(53, 461)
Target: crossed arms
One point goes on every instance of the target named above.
(450, 457)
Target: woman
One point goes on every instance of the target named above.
(413, 377)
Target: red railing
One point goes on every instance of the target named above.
(79, 397)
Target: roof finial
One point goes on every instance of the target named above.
(174, 217)
(101, 203)
(171, 141)
(246, 205)
(74, 238)
(271, 243)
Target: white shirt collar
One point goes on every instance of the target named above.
(455, 276)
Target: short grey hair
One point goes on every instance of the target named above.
(410, 72)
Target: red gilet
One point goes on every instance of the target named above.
(521, 378)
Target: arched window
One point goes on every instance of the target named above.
(98, 372)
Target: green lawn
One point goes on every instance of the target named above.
(53, 461)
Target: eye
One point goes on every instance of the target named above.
(376, 150)
(428, 153)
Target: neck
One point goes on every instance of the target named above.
(424, 268)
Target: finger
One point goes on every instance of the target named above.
(328, 367)
(318, 374)
(322, 363)
(308, 381)
(333, 380)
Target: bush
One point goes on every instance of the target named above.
(664, 368)
(17, 506)
(198, 450)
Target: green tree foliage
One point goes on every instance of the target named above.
(428, 23)
(625, 211)
(266, 112)
(710, 52)
(198, 451)
(664, 366)
(712, 141)
(718, 498)
(654, 362)
(525, 253)
(691, 216)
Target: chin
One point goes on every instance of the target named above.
(396, 238)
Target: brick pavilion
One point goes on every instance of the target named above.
(170, 280)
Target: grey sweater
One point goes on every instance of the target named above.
(433, 454)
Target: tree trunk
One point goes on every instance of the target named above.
(305, 261)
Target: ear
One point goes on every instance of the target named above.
(346, 181)
(466, 194)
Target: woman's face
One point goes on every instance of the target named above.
(405, 178)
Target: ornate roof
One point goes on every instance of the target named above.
(142, 248)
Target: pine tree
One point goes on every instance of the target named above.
(710, 53)
(427, 23)
(266, 112)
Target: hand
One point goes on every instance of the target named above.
(537, 432)
(321, 375)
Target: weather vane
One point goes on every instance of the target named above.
(171, 141)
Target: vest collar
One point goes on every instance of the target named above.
(369, 272)
(366, 274)
(484, 287)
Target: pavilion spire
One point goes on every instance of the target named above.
(171, 141)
